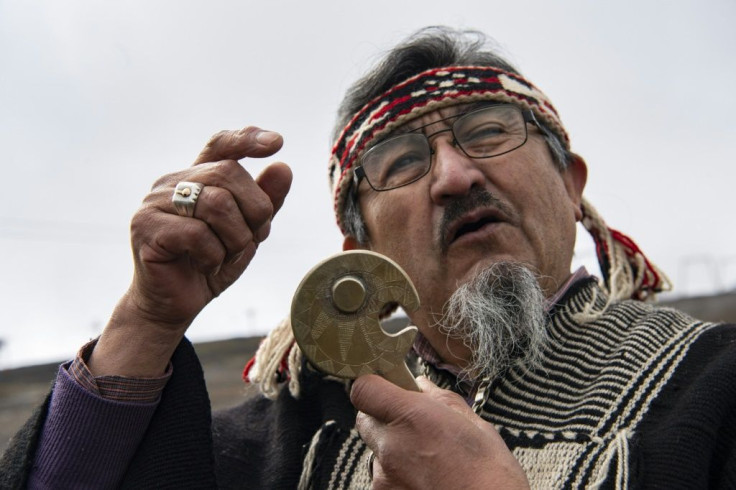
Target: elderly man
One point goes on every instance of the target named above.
(451, 163)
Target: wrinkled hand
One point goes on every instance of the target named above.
(182, 263)
(430, 439)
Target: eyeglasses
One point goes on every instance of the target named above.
(483, 133)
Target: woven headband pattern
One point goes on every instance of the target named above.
(627, 272)
(426, 92)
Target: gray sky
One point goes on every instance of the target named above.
(98, 99)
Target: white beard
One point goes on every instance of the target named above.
(500, 316)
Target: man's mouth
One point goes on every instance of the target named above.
(471, 214)
(474, 226)
(471, 223)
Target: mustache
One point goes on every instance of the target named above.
(477, 198)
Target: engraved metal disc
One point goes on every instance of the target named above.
(335, 314)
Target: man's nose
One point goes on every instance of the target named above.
(453, 173)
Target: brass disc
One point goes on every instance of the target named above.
(335, 314)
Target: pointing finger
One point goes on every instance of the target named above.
(234, 145)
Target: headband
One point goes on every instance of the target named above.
(626, 270)
(426, 92)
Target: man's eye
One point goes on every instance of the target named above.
(485, 132)
(402, 163)
(400, 168)
(484, 139)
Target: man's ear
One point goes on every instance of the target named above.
(350, 243)
(575, 176)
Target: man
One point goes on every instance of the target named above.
(455, 166)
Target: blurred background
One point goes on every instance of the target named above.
(98, 99)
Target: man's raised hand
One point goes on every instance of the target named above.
(181, 262)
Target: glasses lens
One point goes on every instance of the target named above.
(397, 161)
(491, 131)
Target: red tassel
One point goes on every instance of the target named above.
(652, 280)
(248, 367)
(282, 374)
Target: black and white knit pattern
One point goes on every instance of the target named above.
(349, 465)
(570, 423)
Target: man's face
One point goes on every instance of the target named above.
(466, 214)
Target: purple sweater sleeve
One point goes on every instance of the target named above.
(87, 441)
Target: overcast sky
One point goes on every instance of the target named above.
(99, 98)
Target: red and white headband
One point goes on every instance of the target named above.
(436, 88)
(426, 92)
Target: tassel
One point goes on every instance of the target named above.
(627, 272)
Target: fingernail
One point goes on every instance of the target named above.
(236, 258)
(267, 138)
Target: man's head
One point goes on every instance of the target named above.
(466, 213)
(433, 47)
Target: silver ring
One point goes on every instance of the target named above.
(185, 197)
(370, 465)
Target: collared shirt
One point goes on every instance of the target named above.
(118, 388)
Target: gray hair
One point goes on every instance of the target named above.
(500, 316)
(431, 47)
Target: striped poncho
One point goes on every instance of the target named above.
(639, 397)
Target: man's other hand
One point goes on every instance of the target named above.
(430, 439)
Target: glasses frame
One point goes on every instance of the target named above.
(527, 115)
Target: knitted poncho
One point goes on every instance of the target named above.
(640, 397)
